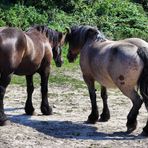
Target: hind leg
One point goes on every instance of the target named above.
(4, 81)
(29, 109)
(132, 116)
(145, 129)
(93, 117)
(105, 116)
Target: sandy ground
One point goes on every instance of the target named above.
(66, 128)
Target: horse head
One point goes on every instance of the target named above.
(57, 50)
(77, 36)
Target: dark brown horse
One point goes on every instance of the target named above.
(25, 53)
(122, 64)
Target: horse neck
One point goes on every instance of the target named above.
(88, 44)
(85, 46)
(52, 44)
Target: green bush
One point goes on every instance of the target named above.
(22, 17)
(122, 19)
(116, 18)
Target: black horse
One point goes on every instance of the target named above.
(25, 53)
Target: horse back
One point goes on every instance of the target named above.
(137, 41)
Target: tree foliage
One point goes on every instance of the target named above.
(116, 18)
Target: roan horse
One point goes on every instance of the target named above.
(122, 64)
(25, 53)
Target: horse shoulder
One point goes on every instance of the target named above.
(30, 46)
(48, 51)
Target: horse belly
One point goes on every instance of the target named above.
(26, 69)
(105, 81)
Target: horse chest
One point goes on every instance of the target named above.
(25, 69)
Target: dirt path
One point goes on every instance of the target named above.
(65, 128)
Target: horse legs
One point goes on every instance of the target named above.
(45, 108)
(30, 88)
(4, 81)
(132, 116)
(105, 116)
(93, 117)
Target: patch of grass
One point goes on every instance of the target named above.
(57, 77)
(64, 76)
(21, 80)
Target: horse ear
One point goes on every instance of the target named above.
(68, 30)
(61, 38)
(91, 32)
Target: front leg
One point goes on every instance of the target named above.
(29, 109)
(93, 117)
(4, 81)
(45, 108)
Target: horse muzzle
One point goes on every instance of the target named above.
(59, 62)
(71, 58)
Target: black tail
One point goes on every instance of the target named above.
(143, 80)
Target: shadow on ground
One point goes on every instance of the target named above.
(68, 129)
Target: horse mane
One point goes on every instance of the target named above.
(81, 33)
(52, 35)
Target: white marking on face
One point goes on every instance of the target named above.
(58, 50)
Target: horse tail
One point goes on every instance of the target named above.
(143, 79)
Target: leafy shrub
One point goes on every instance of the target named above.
(121, 19)
(116, 18)
(23, 17)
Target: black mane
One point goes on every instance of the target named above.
(79, 34)
(52, 35)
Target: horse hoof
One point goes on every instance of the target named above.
(131, 127)
(145, 131)
(31, 113)
(46, 110)
(4, 123)
(92, 118)
(29, 110)
(104, 118)
(130, 130)
(90, 122)
(145, 134)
